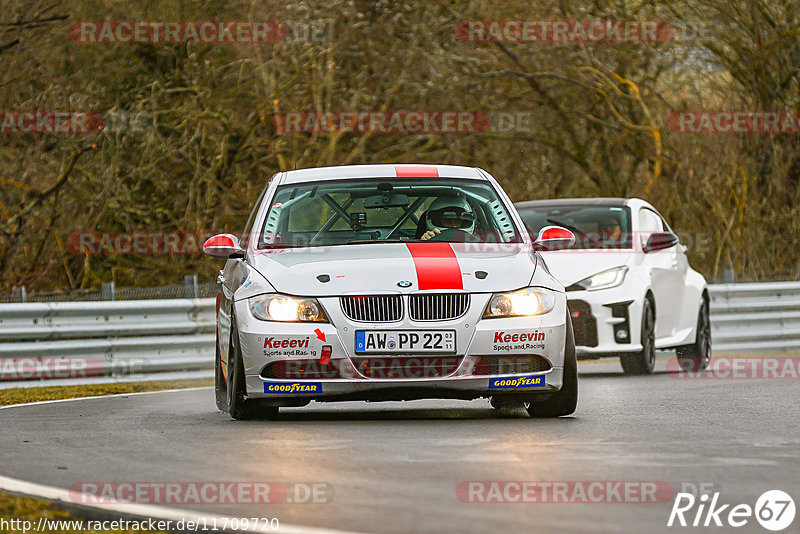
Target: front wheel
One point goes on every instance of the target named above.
(697, 356)
(239, 406)
(644, 361)
(565, 400)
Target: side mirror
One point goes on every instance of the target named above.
(553, 238)
(223, 246)
(660, 241)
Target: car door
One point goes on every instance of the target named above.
(666, 280)
(681, 264)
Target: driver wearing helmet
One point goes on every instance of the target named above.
(446, 213)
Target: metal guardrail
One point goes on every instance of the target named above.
(758, 317)
(57, 343)
(106, 341)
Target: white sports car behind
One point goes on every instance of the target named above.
(630, 287)
(390, 282)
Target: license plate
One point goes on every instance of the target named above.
(398, 341)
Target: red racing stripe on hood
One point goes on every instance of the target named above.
(437, 266)
(411, 171)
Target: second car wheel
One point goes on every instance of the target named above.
(696, 357)
(644, 361)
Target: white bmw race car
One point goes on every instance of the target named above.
(390, 282)
(630, 287)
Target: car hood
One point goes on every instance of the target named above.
(400, 267)
(570, 266)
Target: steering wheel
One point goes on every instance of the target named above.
(453, 235)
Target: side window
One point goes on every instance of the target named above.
(650, 221)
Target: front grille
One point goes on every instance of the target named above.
(401, 367)
(511, 364)
(303, 369)
(373, 308)
(438, 307)
(584, 324)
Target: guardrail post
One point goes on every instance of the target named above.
(728, 276)
(192, 291)
(18, 294)
(107, 292)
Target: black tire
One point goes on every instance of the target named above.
(565, 400)
(239, 406)
(220, 387)
(644, 361)
(697, 356)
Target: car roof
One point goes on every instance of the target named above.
(381, 171)
(604, 201)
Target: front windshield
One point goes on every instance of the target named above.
(594, 226)
(374, 211)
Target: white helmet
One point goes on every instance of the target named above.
(453, 209)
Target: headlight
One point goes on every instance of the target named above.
(606, 279)
(528, 301)
(286, 308)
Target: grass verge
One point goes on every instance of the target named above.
(23, 395)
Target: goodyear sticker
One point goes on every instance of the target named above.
(293, 387)
(517, 382)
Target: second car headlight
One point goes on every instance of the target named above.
(287, 309)
(604, 280)
(528, 301)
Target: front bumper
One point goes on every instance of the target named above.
(295, 348)
(404, 389)
(606, 322)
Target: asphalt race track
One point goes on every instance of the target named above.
(395, 467)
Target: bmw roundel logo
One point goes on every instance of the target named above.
(404, 283)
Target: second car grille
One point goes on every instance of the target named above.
(373, 308)
(438, 307)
